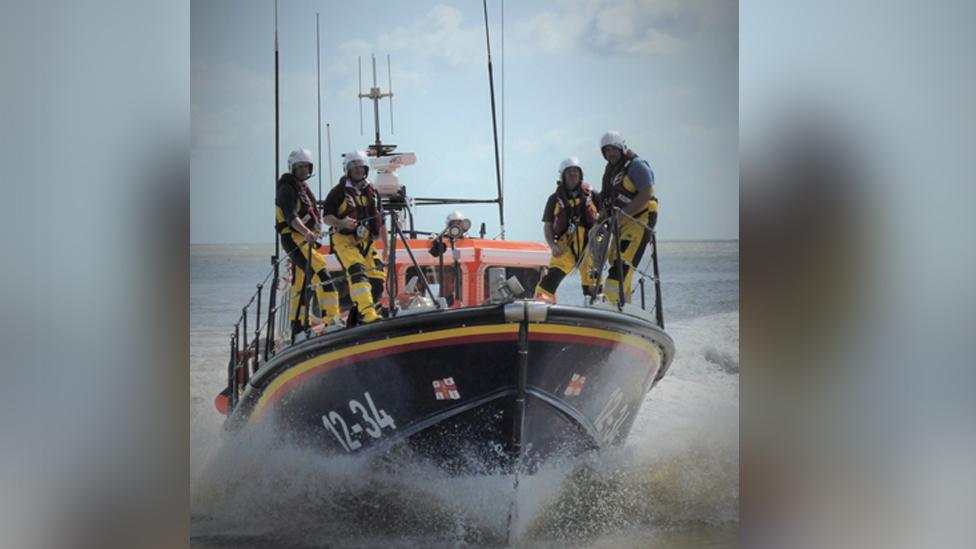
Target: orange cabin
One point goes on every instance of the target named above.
(525, 260)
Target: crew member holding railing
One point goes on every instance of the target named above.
(298, 222)
(628, 184)
(353, 209)
(568, 216)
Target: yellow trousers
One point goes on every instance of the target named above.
(573, 246)
(634, 238)
(298, 250)
(364, 270)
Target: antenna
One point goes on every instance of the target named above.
(375, 94)
(502, 3)
(318, 92)
(389, 84)
(376, 104)
(360, 95)
(272, 297)
(277, 124)
(494, 127)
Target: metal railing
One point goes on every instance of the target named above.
(607, 233)
(273, 331)
(276, 330)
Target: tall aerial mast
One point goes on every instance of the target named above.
(375, 94)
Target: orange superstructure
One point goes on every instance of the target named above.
(477, 255)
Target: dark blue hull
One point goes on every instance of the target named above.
(471, 390)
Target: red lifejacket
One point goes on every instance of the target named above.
(307, 208)
(362, 205)
(578, 211)
(613, 192)
(309, 204)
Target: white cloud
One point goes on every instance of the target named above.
(555, 32)
(438, 35)
(635, 27)
(559, 31)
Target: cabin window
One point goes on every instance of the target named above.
(432, 273)
(528, 277)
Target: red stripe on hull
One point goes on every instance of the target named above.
(396, 349)
(466, 340)
(586, 340)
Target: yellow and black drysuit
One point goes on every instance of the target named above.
(354, 247)
(295, 199)
(571, 215)
(622, 182)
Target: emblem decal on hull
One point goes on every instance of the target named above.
(575, 385)
(445, 389)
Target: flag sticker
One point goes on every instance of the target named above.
(575, 385)
(446, 389)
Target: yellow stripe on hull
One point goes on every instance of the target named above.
(320, 360)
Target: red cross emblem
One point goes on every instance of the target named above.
(445, 389)
(575, 385)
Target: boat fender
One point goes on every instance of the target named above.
(222, 401)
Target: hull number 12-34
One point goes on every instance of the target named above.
(370, 419)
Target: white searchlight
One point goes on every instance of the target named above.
(387, 181)
(457, 225)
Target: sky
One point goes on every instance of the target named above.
(662, 72)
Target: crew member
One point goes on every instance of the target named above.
(569, 214)
(299, 223)
(353, 209)
(628, 185)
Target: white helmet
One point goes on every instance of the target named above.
(300, 156)
(353, 159)
(571, 162)
(615, 138)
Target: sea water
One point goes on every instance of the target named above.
(674, 483)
